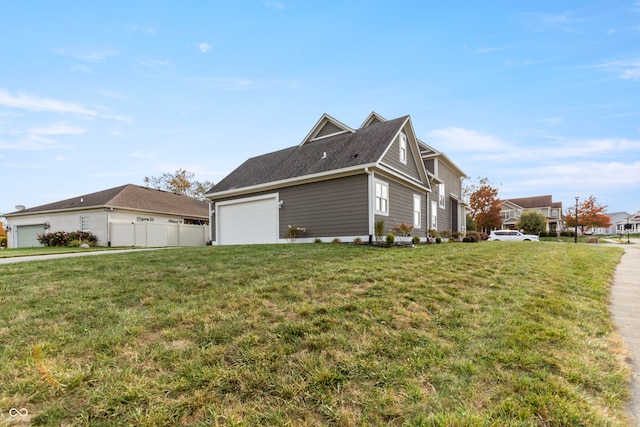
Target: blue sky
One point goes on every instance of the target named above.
(540, 97)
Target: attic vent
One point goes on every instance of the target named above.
(324, 155)
(81, 200)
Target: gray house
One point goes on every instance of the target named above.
(337, 183)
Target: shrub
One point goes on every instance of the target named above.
(543, 234)
(3, 242)
(336, 240)
(391, 238)
(64, 238)
(415, 240)
(472, 236)
(379, 230)
(293, 231)
(357, 241)
(403, 229)
(317, 240)
(483, 235)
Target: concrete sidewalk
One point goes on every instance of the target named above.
(624, 304)
(12, 260)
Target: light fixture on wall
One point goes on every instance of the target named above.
(47, 225)
(8, 228)
(280, 204)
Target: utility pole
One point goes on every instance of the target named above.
(576, 236)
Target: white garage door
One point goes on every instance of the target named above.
(28, 235)
(244, 221)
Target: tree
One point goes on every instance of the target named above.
(590, 215)
(484, 204)
(532, 222)
(180, 182)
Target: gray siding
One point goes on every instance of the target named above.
(337, 207)
(429, 165)
(328, 129)
(453, 185)
(401, 207)
(392, 158)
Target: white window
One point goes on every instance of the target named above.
(85, 224)
(417, 211)
(403, 148)
(382, 198)
(441, 197)
(434, 215)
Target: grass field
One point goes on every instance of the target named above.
(488, 334)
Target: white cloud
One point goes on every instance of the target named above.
(35, 103)
(459, 139)
(625, 69)
(147, 29)
(204, 47)
(154, 63)
(552, 121)
(555, 21)
(86, 55)
(60, 128)
(112, 94)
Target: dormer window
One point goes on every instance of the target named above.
(403, 149)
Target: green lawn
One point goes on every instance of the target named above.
(320, 334)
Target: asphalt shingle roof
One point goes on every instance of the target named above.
(364, 146)
(129, 196)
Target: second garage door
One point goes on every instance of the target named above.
(246, 221)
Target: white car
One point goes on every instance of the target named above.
(511, 235)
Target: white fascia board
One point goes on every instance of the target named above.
(321, 176)
(413, 146)
(402, 177)
(54, 211)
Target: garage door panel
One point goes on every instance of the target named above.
(28, 235)
(251, 221)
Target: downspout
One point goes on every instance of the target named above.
(108, 229)
(370, 202)
(211, 225)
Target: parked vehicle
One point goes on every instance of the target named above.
(511, 235)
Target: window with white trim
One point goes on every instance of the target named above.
(85, 223)
(382, 197)
(403, 148)
(441, 196)
(417, 211)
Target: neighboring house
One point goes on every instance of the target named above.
(621, 222)
(511, 210)
(129, 215)
(616, 218)
(337, 184)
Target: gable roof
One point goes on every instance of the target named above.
(325, 127)
(130, 196)
(343, 150)
(535, 202)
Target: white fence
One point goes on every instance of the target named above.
(157, 234)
